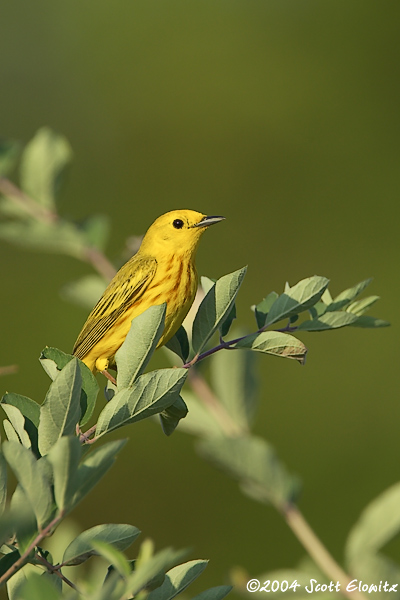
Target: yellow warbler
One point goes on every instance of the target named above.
(163, 270)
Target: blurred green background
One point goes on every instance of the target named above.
(282, 115)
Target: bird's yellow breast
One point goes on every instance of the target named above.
(175, 282)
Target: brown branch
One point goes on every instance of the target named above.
(33, 208)
(295, 520)
(55, 569)
(91, 255)
(99, 262)
(315, 548)
(84, 437)
(206, 395)
(8, 370)
(24, 557)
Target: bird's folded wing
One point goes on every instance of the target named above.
(125, 290)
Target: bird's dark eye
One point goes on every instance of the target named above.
(178, 224)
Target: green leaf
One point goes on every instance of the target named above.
(297, 299)
(29, 408)
(139, 345)
(58, 357)
(144, 573)
(96, 230)
(113, 556)
(11, 205)
(233, 379)
(374, 569)
(276, 343)
(113, 588)
(178, 579)
(110, 390)
(254, 463)
(7, 526)
(8, 560)
(9, 151)
(53, 579)
(119, 536)
(15, 582)
(298, 578)
(215, 308)
(329, 320)
(64, 457)
(226, 325)
(179, 344)
(61, 410)
(93, 466)
(32, 480)
(3, 483)
(369, 322)
(17, 420)
(262, 309)
(199, 420)
(150, 394)
(21, 519)
(171, 416)
(37, 587)
(378, 524)
(10, 432)
(207, 283)
(31, 412)
(359, 307)
(54, 360)
(214, 593)
(326, 297)
(43, 162)
(58, 236)
(85, 291)
(317, 310)
(348, 295)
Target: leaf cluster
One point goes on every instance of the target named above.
(56, 467)
(52, 458)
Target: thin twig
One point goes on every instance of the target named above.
(291, 513)
(8, 370)
(23, 558)
(229, 344)
(223, 418)
(84, 438)
(222, 346)
(315, 548)
(55, 569)
(33, 208)
(99, 262)
(91, 255)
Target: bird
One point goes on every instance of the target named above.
(163, 270)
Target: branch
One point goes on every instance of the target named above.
(33, 208)
(313, 545)
(91, 255)
(227, 345)
(84, 437)
(9, 370)
(295, 520)
(99, 262)
(24, 557)
(223, 418)
(55, 569)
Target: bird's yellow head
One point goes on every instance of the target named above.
(176, 232)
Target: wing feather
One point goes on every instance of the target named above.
(124, 290)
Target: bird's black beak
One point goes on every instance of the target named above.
(207, 221)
